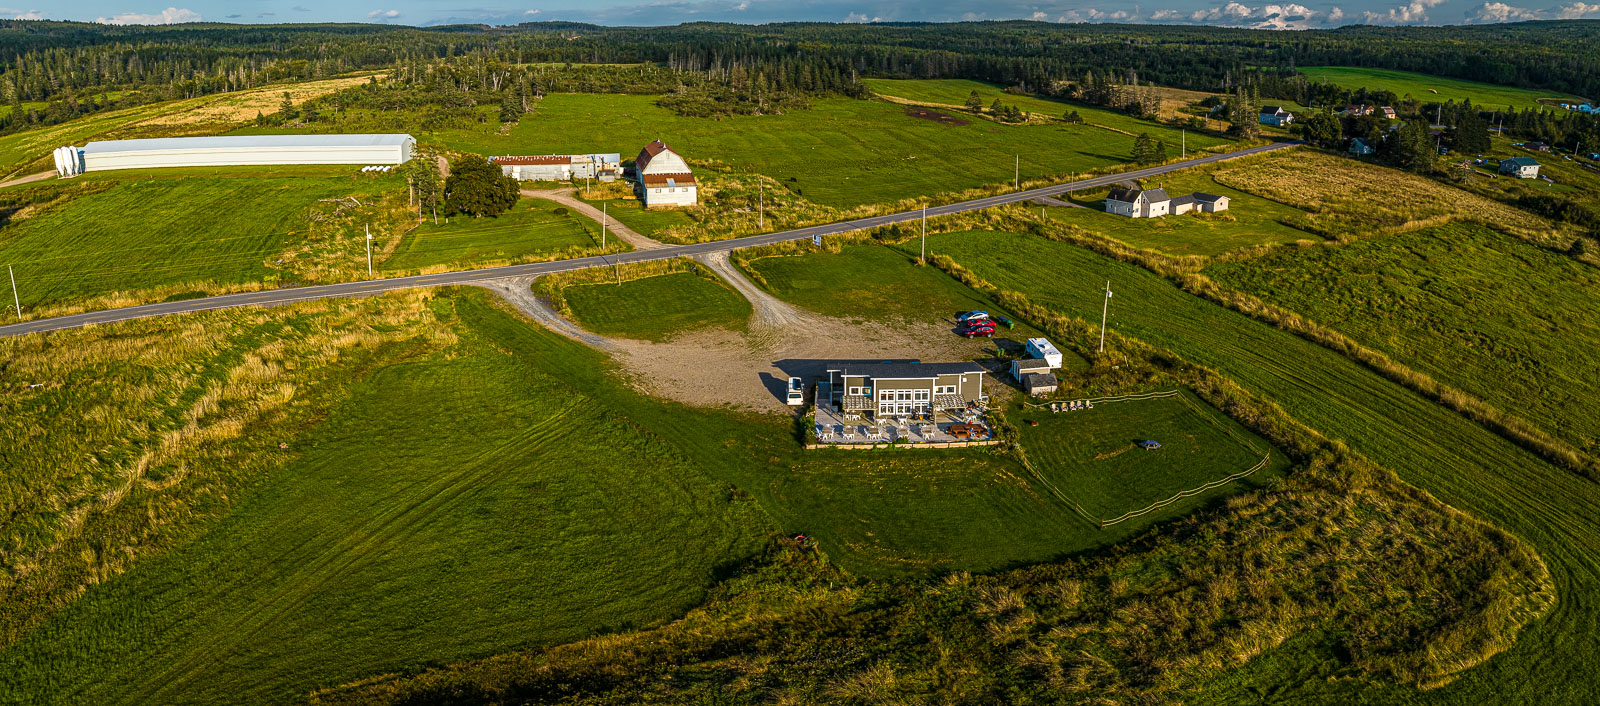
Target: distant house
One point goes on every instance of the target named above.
(560, 167)
(1356, 110)
(1388, 112)
(1154, 203)
(1520, 167)
(895, 389)
(1138, 203)
(1537, 147)
(1360, 147)
(1276, 115)
(664, 177)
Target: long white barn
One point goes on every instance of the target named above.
(235, 150)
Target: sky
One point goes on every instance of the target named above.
(1266, 15)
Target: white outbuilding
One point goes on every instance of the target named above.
(664, 177)
(240, 150)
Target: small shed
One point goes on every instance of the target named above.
(1210, 203)
(1021, 368)
(1039, 383)
(1360, 147)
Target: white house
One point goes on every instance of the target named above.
(237, 150)
(1520, 167)
(1209, 203)
(1275, 115)
(1360, 147)
(664, 177)
(1138, 203)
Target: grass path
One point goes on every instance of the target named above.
(1440, 451)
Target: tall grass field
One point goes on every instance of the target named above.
(532, 228)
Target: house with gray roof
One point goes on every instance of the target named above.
(1138, 203)
(890, 389)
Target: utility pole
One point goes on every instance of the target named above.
(1104, 308)
(369, 251)
(1183, 134)
(761, 209)
(15, 300)
(1019, 172)
(924, 234)
(603, 219)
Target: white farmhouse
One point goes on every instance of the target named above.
(1520, 167)
(664, 177)
(1138, 203)
(236, 150)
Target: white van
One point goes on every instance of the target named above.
(797, 393)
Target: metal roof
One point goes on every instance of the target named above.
(905, 371)
(1521, 162)
(162, 144)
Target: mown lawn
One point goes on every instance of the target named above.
(867, 282)
(1458, 461)
(143, 233)
(532, 228)
(1250, 220)
(1093, 455)
(1403, 83)
(1480, 311)
(656, 308)
(464, 503)
(841, 152)
(633, 214)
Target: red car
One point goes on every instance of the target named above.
(981, 329)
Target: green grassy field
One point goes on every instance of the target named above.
(841, 152)
(867, 283)
(645, 222)
(532, 228)
(656, 308)
(168, 231)
(1461, 463)
(1093, 455)
(463, 503)
(955, 92)
(1483, 312)
(1403, 83)
(1254, 220)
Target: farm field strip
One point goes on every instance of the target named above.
(1402, 83)
(470, 276)
(1460, 462)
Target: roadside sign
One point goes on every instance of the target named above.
(816, 240)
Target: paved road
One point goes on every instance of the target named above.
(358, 289)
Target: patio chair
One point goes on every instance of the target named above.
(822, 432)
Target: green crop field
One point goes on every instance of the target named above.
(1250, 220)
(460, 504)
(1403, 83)
(867, 282)
(955, 91)
(532, 228)
(1489, 314)
(841, 152)
(1427, 445)
(1093, 456)
(655, 308)
(167, 231)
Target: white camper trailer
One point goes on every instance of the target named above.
(1044, 350)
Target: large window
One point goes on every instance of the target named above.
(946, 390)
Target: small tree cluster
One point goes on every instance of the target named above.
(478, 188)
(1147, 150)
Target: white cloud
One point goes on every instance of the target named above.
(741, 7)
(531, 12)
(1040, 17)
(1166, 15)
(29, 15)
(171, 15)
(1335, 15)
(1117, 16)
(383, 14)
(1413, 12)
(860, 18)
(1501, 12)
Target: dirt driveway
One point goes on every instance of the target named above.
(749, 370)
(567, 197)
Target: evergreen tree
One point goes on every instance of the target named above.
(1160, 152)
(974, 102)
(510, 108)
(1471, 132)
(997, 107)
(286, 110)
(1072, 117)
(1411, 147)
(1144, 149)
